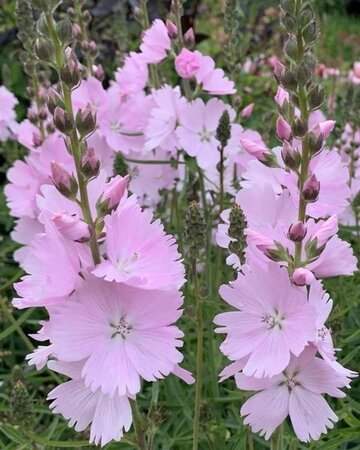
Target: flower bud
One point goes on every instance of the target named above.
(32, 116)
(290, 156)
(237, 225)
(189, 38)
(299, 128)
(37, 139)
(247, 111)
(290, 48)
(85, 121)
(44, 49)
(279, 70)
(316, 97)
(223, 131)
(310, 33)
(297, 231)
(302, 276)
(311, 188)
(187, 63)
(290, 23)
(315, 142)
(54, 100)
(255, 149)
(90, 164)
(77, 32)
(171, 29)
(99, 73)
(93, 48)
(195, 230)
(62, 121)
(289, 81)
(112, 195)
(42, 113)
(283, 129)
(65, 30)
(71, 227)
(65, 183)
(70, 72)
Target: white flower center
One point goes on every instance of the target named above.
(125, 265)
(116, 127)
(290, 383)
(121, 328)
(205, 135)
(323, 333)
(273, 320)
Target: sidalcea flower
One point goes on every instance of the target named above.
(212, 80)
(155, 42)
(53, 268)
(133, 76)
(187, 63)
(273, 321)
(138, 252)
(8, 124)
(296, 392)
(283, 129)
(109, 416)
(123, 334)
(71, 226)
(113, 193)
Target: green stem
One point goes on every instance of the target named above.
(84, 35)
(199, 356)
(141, 441)
(74, 142)
(153, 161)
(35, 83)
(276, 440)
(250, 440)
(153, 68)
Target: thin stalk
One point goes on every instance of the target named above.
(153, 161)
(199, 356)
(276, 440)
(141, 441)
(249, 438)
(153, 68)
(35, 83)
(84, 35)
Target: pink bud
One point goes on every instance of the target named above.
(99, 72)
(187, 63)
(254, 149)
(90, 163)
(297, 231)
(37, 139)
(357, 69)
(60, 175)
(77, 30)
(71, 226)
(260, 241)
(283, 129)
(247, 111)
(279, 70)
(324, 128)
(311, 188)
(171, 29)
(272, 61)
(111, 197)
(189, 37)
(326, 230)
(281, 96)
(303, 277)
(290, 156)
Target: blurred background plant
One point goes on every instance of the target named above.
(243, 36)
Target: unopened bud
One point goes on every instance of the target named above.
(44, 49)
(223, 131)
(290, 48)
(237, 226)
(70, 72)
(90, 164)
(189, 38)
(279, 70)
(299, 128)
(32, 116)
(77, 32)
(311, 188)
(290, 23)
(37, 140)
(315, 142)
(195, 229)
(93, 48)
(316, 97)
(65, 183)
(71, 227)
(54, 100)
(290, 156)
(289, 81)
(112, 195)
(62, 121)
(171, 29)
(99, 73)
(283, 129)
(65, 30)
(297, 231)
(42, 113)
(310, 33)
(302, 277)
(85, 121)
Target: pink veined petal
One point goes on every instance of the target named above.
(183, 374)
(257, 384)
(266, 410)
(310, 414)
(232, 369)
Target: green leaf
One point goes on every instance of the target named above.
(12, 434)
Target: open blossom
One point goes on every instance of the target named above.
(133, 76)
(122, 332)
(155, 42)
(187, 63)
(297, 392)
(164, 117)
(273, 321)
(109, 416)
(138, 252)
(212, 80)
(8, 124)
(50, 279)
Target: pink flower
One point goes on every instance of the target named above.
(53, 266)
(155, 42)
(302, 277)
(281, 96)
(164, 117)
(212, 80)
(8, 124)
(123, 333)
(197, 132)
(133, 76)
(109, 416)
(274, 320)
(139, 253)
(297, 393)
(187, 63)
(89, 93)
(25, 230)
(356, 68)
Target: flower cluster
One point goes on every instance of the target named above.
(291, 197)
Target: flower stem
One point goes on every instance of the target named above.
(276, 440)
(199, 356)
(74, 142)
(141, 441)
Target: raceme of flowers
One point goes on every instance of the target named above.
(112, 321)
